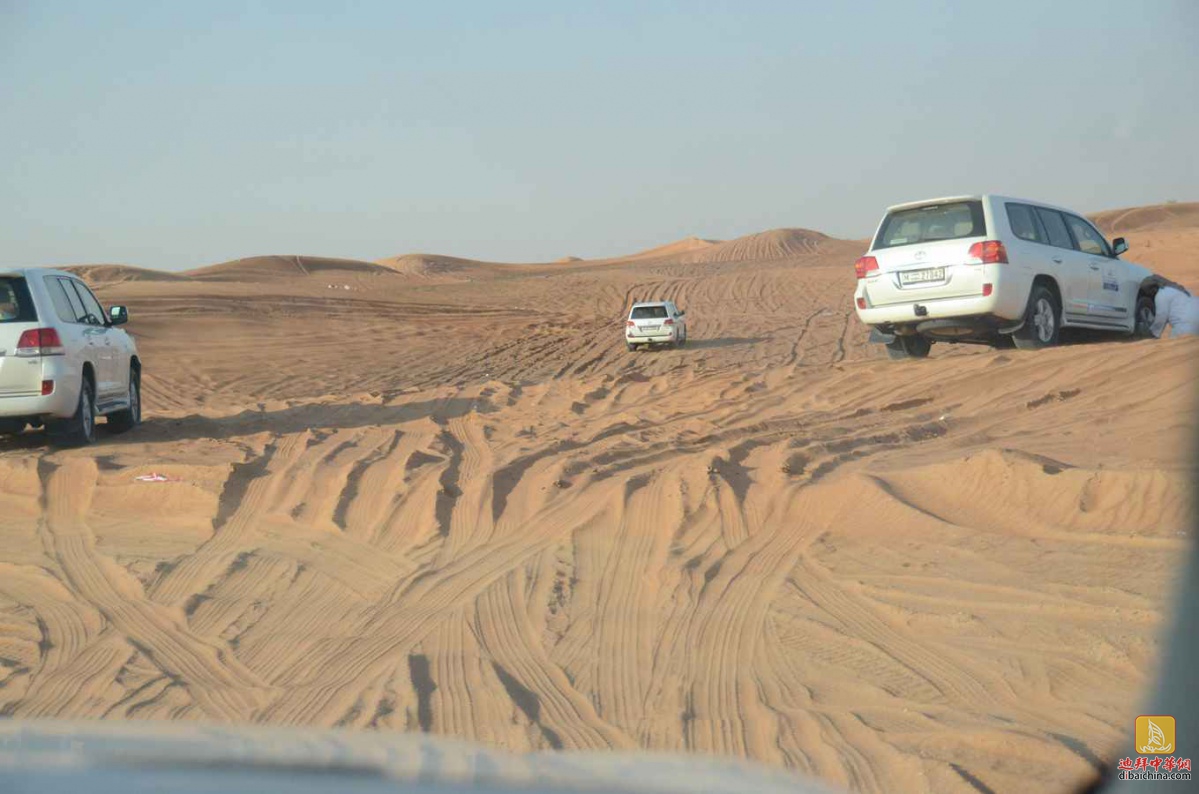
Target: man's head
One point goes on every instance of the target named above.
(8, 303)
(1156, 283)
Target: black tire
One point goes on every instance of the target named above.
(80, 429)
(1042, 321)
(904, 347)
(1146, 314)
(129, 418)
(632, 347)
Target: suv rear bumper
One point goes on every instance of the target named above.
(60, 404)
(1004, 303)
(650, 339)
(949, 329)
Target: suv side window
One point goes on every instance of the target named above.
(1055, 228)
(62, 304)
(93, 313)
(1024, 223)
(1089, 240)
(60, 291)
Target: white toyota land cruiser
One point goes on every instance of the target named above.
(63, 360)
(982, 268)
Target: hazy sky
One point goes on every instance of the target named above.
(180, 134)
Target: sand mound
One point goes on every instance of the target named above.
(269, 268)
(1157, 217)
(108, 275)
(685, 246)
(776, 244)
(433, 266)
(773, 244)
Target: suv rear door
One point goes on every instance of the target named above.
(1106, 301)
(75, 327)
(1073, 273)
(110, 384)
(19, 377)
(923, 253)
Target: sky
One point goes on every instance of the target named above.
(174, 135)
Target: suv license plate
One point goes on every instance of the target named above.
(922, 276)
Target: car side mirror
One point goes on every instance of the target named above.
(118, 315)
(1119, 246)
(682, 313)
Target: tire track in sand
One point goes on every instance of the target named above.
(252, 490)
(220, 684)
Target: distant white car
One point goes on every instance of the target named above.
(984, 268)
(655, 323)
(63, 360)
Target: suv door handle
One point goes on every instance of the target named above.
(1094, 267)
(1057, 259)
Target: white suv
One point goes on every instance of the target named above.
(655, 323)
(986, 268)
(63, 361)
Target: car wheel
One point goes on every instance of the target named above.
(131, 417)
(80, 429)
(1146, 314)
(1042, 321)
(908, 347)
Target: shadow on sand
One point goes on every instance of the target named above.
(714, 344)
(282, 422)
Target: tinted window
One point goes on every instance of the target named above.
(648, 313)
(1055, 227)
(931, 223)
(1089, 240)
(1024, 223)
(16, 306)
(93, 313)
(62, 304)
(77, 313)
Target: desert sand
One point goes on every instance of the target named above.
(432, 494)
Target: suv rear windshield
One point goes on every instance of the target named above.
(648, 313)
(931, 223)
(15, 304)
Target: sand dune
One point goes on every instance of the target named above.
(684, 246)
(774, 244)
(267, 268)
(1138, 219)
(461, 507)
(434, 266)
(108, 275)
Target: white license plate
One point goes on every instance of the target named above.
(650, 327)
(922, 276)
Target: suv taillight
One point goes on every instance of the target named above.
(630, 324)
(989, 252)
(40, 342)
(668, 321)
(865, 265)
